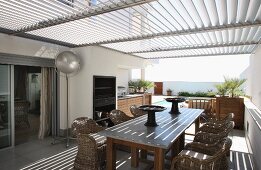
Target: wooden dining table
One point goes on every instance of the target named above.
(158, 139)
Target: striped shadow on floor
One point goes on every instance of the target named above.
(240, 161)
(64, 160)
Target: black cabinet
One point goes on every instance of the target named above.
(104, 97)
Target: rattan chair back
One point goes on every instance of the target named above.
(215, 156)
(135, 111)
(90, 156)
(118, 116)
(84, 125)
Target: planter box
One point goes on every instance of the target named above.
(225, 105)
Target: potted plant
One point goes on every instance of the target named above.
(169, 92)
(140, 86)
(229, 100)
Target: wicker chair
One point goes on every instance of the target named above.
(211, 138)
(135, 111)
(91, 155)
(203, 156)
(118, 117)
(205, 104)
(217, 128)
(228, 118)
(84, 125)
(21, 110)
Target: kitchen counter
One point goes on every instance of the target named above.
(125, 102)
(130, 96)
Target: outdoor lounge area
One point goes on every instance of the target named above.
(130, 84)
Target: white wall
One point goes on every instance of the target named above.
(178, 86)
(253, 88)
(22, 46)
(95, 61)
(252, 112)
(122, 77)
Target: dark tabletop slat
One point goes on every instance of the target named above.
(170, 127)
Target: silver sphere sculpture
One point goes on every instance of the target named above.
(67, 62)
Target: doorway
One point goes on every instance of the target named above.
(158, 88)
(27, 90)
(5, 106)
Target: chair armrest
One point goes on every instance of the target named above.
(189, 162)
(210, 128)
(209, 138)
(209, 149)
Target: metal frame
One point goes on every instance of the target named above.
(194, 47)
(137, 27)
(199, 55)
(176, 33)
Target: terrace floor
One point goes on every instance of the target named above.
(41, 154)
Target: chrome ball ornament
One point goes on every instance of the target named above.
(67, 62)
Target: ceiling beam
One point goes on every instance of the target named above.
(193, 47)
(38, 38)
(96, 10)
(198, 55)
(177, 33)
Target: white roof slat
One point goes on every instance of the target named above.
(84, 32)
(47, 8)
(36, 9)
(207, 38)
(201, 8)
(257, 35)
(231, 36)
(238, 34)
(186, 39)
(232, 5)
(192, 38)
(242, 10)
(251, 34)
(245, 34)
(258, 14)
(213, 11)
(219, 37)
(185, 16)
(14, 22)
(141, 15)
(254, 5)
(192, 12)
(252, 48)
(225, 36)
(222, 11)
(196, 38)
(125, 23)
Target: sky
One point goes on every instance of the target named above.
(198, 69)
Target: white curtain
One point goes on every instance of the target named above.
(46, 103)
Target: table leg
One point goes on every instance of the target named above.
(134, 157)
(159, 159)
(181, 141)
(111, 154)
(143, 154)
(175, 148)
(197, 125)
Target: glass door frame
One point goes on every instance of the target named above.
(12, 108)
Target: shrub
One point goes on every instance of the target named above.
(210, 93)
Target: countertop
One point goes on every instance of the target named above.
(128, 96)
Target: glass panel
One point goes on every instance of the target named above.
(5, 106)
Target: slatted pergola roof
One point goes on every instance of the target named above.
(144, 28)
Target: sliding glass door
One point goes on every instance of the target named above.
(5, 106)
